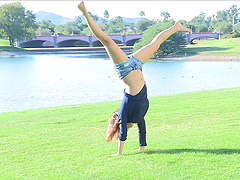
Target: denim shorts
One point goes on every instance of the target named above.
(131, 64)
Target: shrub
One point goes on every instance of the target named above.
(143, 25)
(236, 34)
(223, 26)
(172, 45)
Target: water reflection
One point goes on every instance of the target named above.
(29, 82)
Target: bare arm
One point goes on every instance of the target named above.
(120, 147)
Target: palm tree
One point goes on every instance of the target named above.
(104, 21)
(119, 21)
(106, 14)
(165, 15)
(142, 14)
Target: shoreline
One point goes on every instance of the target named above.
(79, 50)
(203, 58)
(116, 101)
(128, 50)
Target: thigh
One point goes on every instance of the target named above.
(115, 53)
(146, 52)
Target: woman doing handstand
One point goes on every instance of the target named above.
(135, 103)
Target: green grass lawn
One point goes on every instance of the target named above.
(5, 46)
(229, 46)
(190, 136)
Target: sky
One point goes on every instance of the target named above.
(178, 10)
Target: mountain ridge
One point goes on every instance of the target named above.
(60, 20)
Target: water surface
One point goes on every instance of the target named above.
(38, 81)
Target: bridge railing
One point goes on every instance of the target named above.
(90, 39)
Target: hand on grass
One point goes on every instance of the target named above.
(116, 154)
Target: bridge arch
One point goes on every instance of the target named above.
(192, 36)
(96, 43)
(36, 43)
(197, 37)
(132, 42)
(118, 41)
(73, 43)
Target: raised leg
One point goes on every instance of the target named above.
(134, 81)
(115, 53)
(146, 52)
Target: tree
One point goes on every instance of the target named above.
(142, 13)
(226, 18)
(210, 24)
(1, 33)
(113, 27)
(71, 28)
(201, 28)
(201, 23)
(46, 27)
(41, 31)
(143, 25)
(119, 21)
(233, 11)
(165, 16)
(172, 45)
(117, 26)
(78, 21)
(222, 16)
(59, 29)
(104, 21)
(86, 31)
(16, 22)
(223, 26)
(237, 27)
(94, 17)
(106, 14)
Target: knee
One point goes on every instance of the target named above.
(156, 45)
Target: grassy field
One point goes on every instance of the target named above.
(5, 47)
(229, 46)
(190, 136)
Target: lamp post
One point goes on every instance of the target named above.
(233, 21)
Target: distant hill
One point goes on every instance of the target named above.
(130, 20)
(54, 18)
(60, 20)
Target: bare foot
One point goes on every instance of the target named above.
(82, 7)
(180, 28)
(141, 148)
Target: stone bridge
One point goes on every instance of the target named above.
(200, 35)
(77, 40)
(92, 41)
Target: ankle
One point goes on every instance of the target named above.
(141, 148)
(177, 26)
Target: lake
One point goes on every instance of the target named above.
(39, 81)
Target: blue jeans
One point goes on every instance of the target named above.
(131, 64)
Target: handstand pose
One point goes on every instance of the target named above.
(135, 104)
